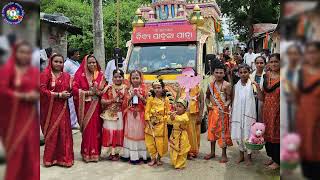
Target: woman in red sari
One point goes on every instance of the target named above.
(87, 90)
(55, 88)
(19, 130)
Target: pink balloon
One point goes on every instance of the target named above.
(188, 80)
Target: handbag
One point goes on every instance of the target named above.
(204, 124)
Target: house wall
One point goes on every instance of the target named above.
(54, 37)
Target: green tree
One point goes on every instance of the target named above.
(245, 13)
(80, 14)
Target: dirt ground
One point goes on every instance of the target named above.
(197, 169)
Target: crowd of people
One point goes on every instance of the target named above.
(123, 120)
(248, 92)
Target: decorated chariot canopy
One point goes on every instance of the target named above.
(176, 21)
(171, 37)
(167, 12)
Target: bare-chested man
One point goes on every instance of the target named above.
(219, 99)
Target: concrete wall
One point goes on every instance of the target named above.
(275, 46)
(55, 37)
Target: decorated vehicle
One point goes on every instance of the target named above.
(171, 35)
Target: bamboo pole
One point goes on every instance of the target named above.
(118, 20)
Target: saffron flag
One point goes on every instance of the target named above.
(266, 41)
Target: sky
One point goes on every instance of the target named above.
(225, 26)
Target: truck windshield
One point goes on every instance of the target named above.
(152, 58)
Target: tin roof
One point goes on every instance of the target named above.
(262, 28)
(60, 20)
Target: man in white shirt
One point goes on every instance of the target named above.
(45, 54)
(249, 58)
(6, 44)
(36, 58)
(111, 66)
(71, 65)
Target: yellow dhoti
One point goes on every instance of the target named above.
(193, 131)
(179, 142)
(157, 145)
(156, 132)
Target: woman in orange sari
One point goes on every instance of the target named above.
(19, 130)
(270, 95)
(87, 90)
(308, 114)
(55, 88)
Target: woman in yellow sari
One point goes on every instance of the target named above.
(179, 142)
(156, 116)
